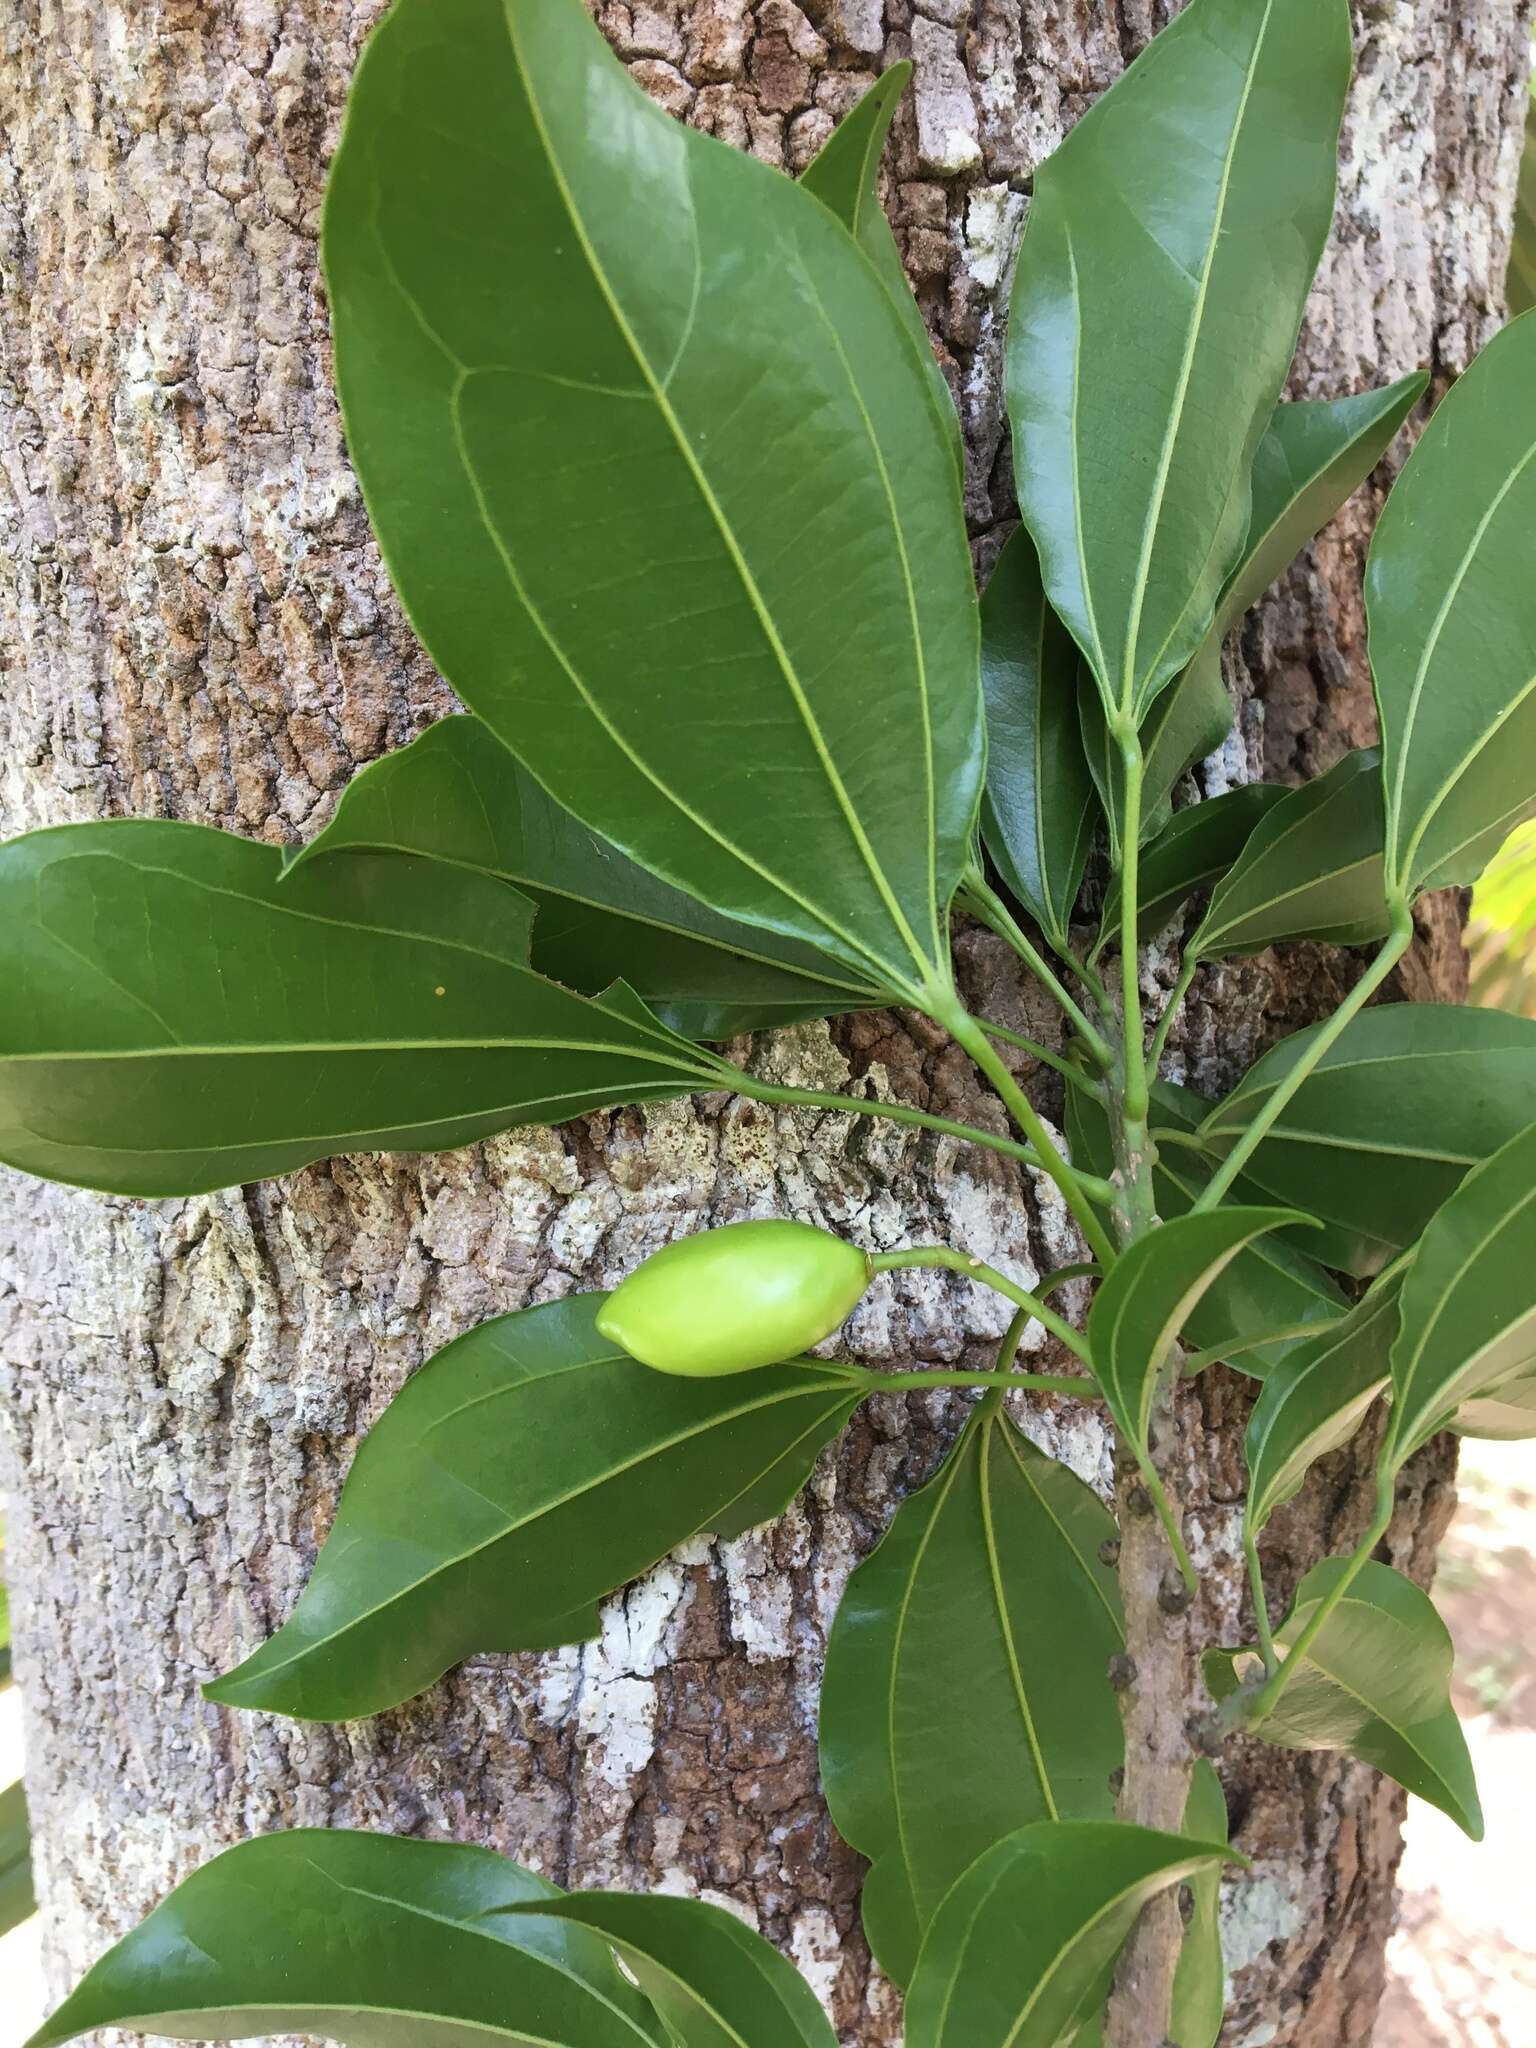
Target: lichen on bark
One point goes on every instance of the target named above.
(194, 622)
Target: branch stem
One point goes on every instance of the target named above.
(1188, 968)
(976, 1269)
(1083, 1389)
(984, 901)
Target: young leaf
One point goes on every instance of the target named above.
(1021, 1951)
(369, 1940)
(715, 1982)
(1200, 1981)
(1452, 614)
(1315, 1399)
(457, 795)
(1381, 1133)
(1506, 1415)
(1268, 1286)
(1197, 191)
(1375, 1683)
(643, 497)
(1146, 1299)
(991, 1570)
(529, 1469)
(1312, 870)
(844, 175)
(1039, 811)
(184, 1018)
(1469, 1300)
(1194, 849)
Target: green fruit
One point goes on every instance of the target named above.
(734, 1299)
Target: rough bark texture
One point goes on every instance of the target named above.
(193, 622)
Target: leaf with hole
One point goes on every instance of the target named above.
(521, 1476)
(368, 1940)
(184, 1017)
(1134, 439)
(1022, 1949)
(1452, 611)
(991, 1570)
(1316, 1398)
(456, 795)
(1194, 849)
(1469, 1299)
(844, 174)
(1375, 1683)
(1406, 1101)
(715, 1982)
(1312, 869)
(655, 461)
(1039, 812)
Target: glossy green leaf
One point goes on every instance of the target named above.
(457, 795)
(1469, 1299)
(655, 463)
(992, 1570)
(17, 1902)
(1506, 1415)
(1268, 1286)
(1315, 1399)
(1039, 812)
(370, 1940)
(183, 1017)
(1312, 870)
(1200, 1981)
(1380, 1134)
(1375, 1683)
(1452, 611)
(523, 1474)
(1194, 849)
(715, 1982)
(844, 175)
(1021, 1951)
(1197, 193)
(1145, 1301)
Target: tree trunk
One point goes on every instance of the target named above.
(194, 623)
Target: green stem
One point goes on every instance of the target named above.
(1400, 939)
(1041, 1053)
(979, 897)
(988, 1276)
(1260, 1606)
(1134, 1049)
(1153, 1481)
(969, 1035)
(895, 1112)
(1187, 970)
(1263, 1703)
(1082, 1389)
(1085, 1269)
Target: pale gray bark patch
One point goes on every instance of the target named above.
(194, 622)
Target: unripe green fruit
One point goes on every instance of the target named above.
(733, 1299)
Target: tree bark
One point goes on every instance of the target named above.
(194, 623)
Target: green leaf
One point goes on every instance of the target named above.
(457, 795)
(1145, 1302)
(844, 175)
(184, 1018)
(1315, 1399)
(715, 1982)
(17, 1902)
(1021, 1952)
(1200, 1981)
(527, 1470)
(992, 1570)
(1469, 1299)
(1452, 615)
(655, 463)
(1382, 1132)
(369, 1940)
(1312, 870)
(1506, 1415)
(1375, 1683)
(1268, 1286)
(1198, 191)
(1194, 849)
(1039, 812)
